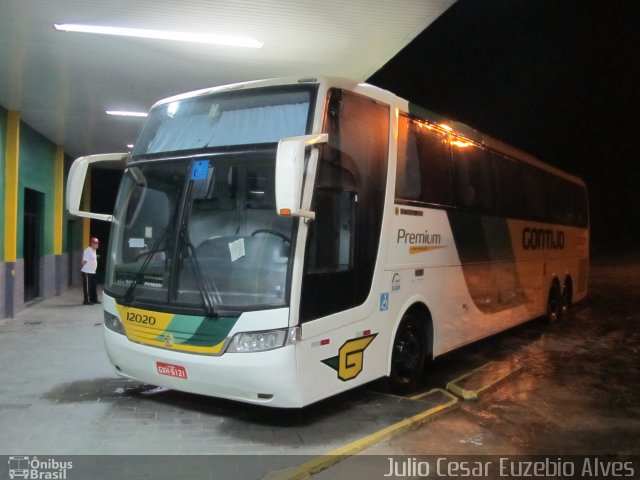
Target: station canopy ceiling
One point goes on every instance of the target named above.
(62, 82)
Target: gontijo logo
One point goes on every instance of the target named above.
(350, 359)
(542, 239)
(419, 242)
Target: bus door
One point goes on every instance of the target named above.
(342, 242)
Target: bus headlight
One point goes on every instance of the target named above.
(261, 341)
(113, 323)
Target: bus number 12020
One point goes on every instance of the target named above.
(141, 318)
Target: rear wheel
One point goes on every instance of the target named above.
(409, 355)
(567, 295)
(554, 303)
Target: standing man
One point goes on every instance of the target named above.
(89, 266)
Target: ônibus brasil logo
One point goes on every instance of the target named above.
(37, 469)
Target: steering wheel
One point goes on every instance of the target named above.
(272, 232)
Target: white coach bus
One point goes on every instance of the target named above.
(278, 242)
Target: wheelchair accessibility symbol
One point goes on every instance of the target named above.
(384, 301)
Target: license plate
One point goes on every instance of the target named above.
(171, 370)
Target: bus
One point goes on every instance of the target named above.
(277, 242)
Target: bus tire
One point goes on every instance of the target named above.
(554, 303)
(408, 355)
(567, 295)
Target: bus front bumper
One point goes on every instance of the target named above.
(266, 378)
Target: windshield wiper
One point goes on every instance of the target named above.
(128, 295)
(206, 285)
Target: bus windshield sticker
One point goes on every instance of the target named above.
(237, 249)
(136, 243)
(199, 170)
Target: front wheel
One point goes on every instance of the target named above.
(408, 356)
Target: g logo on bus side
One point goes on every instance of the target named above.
(350, 359)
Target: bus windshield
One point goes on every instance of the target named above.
(200, 234)
(195, 225)
(226, 119)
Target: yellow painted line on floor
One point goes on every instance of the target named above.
(331, 458)
(471, 384)
(420, 396)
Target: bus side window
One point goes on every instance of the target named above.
(332, 233)
(424, 164)
(408, 185)
(510, 195)
(473, 182)
(535, 192)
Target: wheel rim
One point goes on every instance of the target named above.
(407, 353)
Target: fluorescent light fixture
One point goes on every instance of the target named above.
(124, 113)
(129, 146)
(213, 39)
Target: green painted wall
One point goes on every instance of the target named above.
(37, 156)
(36, 171)
(73, 243)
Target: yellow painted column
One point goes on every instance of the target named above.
(12, 155)
(11, 190)
(58, 202)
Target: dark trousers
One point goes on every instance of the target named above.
(89, 287)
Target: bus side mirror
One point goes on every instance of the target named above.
(294, 178)
(78, 176)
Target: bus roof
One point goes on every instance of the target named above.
(382, 95)
(487, 141)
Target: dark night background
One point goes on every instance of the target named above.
(557, 78)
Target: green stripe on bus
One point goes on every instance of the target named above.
(480, 238)
(199, 331)
(488, 260)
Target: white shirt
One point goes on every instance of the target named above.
(90, 259)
